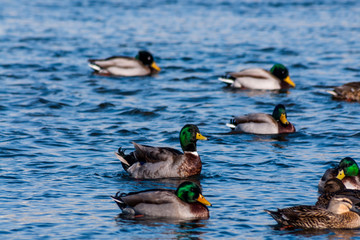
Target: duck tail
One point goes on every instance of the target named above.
(227, 78)
(117, 198)
(120, 154)
(126, 160)
(275, 215)
(94, 66)
(332, 93)
(232, 124)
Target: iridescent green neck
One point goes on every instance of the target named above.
(188, 138)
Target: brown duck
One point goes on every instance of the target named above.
(340, 213)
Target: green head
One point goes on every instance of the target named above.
(189, 134)
(282, 73)
(347, 168)
(279, 114)
(190, 192)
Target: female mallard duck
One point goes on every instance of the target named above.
(186, 202)
(257, 78)
(163, 162)
(142, 65)
(261, 123)
(348, 92)
(347, 171)
(332, 188)
(340, 213)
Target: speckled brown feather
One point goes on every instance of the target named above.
(314, 217)
(349, 92)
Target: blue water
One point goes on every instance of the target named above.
(60, 124)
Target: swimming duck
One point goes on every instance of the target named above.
(332, 188)
(257, 78)
(142, 65)
(348, 92)
(340, 213)
(187, 202)
(148, 162)
(261, 123)
(347, 171)
(330, 173)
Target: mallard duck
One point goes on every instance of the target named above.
(142, 65)
(186, 202)
(348, 92)
(257, 78)
(332, 188)
(340, 213)
(330, 173)
(347, 171)
(163, 162)
(261, 123)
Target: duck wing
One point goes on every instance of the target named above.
(150, 154)
(303, 216)
(258, 73)
(116, 61)
(254, 118)
(256, 123)
(154, 196)
(256, 78)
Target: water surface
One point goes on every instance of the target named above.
(60, 124)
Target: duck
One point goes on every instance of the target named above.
(330, 173)
(262, 123)
(341, 213)
(261, 79)
(186, 202)
(332, 188)
(347, 171)
(148, 162)
(348, 92)
(142, 64)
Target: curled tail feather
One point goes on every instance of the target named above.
(232, 124)
(120, 154)
(118, 200)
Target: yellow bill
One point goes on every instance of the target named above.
(202, 200)
(156, 67)
(289, 81)
(340, 175)
(200, 137)
(283, 119)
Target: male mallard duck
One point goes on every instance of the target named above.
(340, 213)
(332, 188)
(261, 123)
(347, 171)
(143, 64)
(186, 202)
(348, 92)
(163, 162)
(257, 78)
